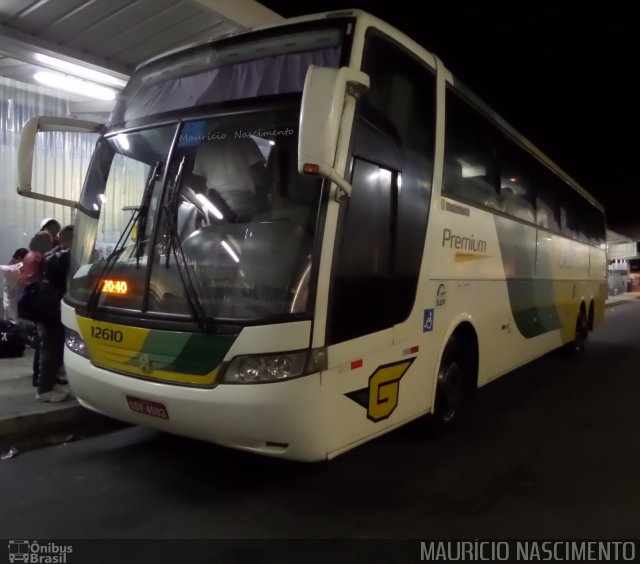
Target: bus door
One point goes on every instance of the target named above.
(378, 379)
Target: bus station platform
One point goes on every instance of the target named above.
(26, 424)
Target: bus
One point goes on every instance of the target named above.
(296, 239)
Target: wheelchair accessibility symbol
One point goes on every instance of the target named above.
(427, 324)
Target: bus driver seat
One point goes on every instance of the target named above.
(234, 172)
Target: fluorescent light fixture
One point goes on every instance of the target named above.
(75, 85)
(80, 71)
(102, 198)
(207, 205)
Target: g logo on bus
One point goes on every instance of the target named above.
(144, 363)
(380, 398)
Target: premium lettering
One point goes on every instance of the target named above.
(453, 241)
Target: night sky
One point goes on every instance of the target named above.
(563, 73)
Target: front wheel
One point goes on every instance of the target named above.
(452, 389)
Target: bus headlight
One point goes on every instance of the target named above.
(75, 343)
(258, 369)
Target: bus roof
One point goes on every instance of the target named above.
(370, 20)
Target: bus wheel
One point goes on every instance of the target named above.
(451, 388)
(582, 333)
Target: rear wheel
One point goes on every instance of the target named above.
(581, 334)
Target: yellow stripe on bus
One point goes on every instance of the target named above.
(464, 257)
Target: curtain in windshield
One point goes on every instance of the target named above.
(209, 74)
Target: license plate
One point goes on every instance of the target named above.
(147, 407)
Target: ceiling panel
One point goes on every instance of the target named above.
(101, 31)
(35, 16)
(84, 19)
(182, 34)
(154, 30)
(120, 33)
(112, 35)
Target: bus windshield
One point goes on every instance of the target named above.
(226, 226)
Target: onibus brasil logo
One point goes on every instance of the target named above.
(38, 552)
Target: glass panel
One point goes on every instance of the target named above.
(240, 231)
(517, 185)
(235, 230)
(469, 166)
(112, 236)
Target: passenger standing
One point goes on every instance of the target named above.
(11, 291)
(54, 272)
(47, 357)
(51, 226)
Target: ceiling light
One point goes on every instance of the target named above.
(230, 251)
(208, 206)
(80, 71)
(75, 85)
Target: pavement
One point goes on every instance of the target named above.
(26, 424)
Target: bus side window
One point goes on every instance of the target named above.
(546, 215)
(453, 183)
(469, 142)
(516, 180)
(548, 190)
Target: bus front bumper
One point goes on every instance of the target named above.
(281, 419)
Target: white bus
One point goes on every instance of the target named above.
(296, 239)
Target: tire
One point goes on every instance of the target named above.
(579, 342)
(452, 389)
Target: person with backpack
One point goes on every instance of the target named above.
(38, 302)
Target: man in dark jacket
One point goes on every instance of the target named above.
(55, 268)
(56, 262)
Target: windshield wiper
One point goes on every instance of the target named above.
(173, 203)
(139, 216)
(144, 211)
(183, 270)
(175, 246)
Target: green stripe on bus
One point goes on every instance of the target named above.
(534, 302)
(533, 306)
(202, 353)
(184, 353)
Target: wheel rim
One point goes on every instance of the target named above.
(450, 392)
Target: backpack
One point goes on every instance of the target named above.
(38, 302)
(12, 340)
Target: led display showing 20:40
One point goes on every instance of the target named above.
(118, 287)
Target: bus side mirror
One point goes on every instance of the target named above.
(27, 146)
(326, 90)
